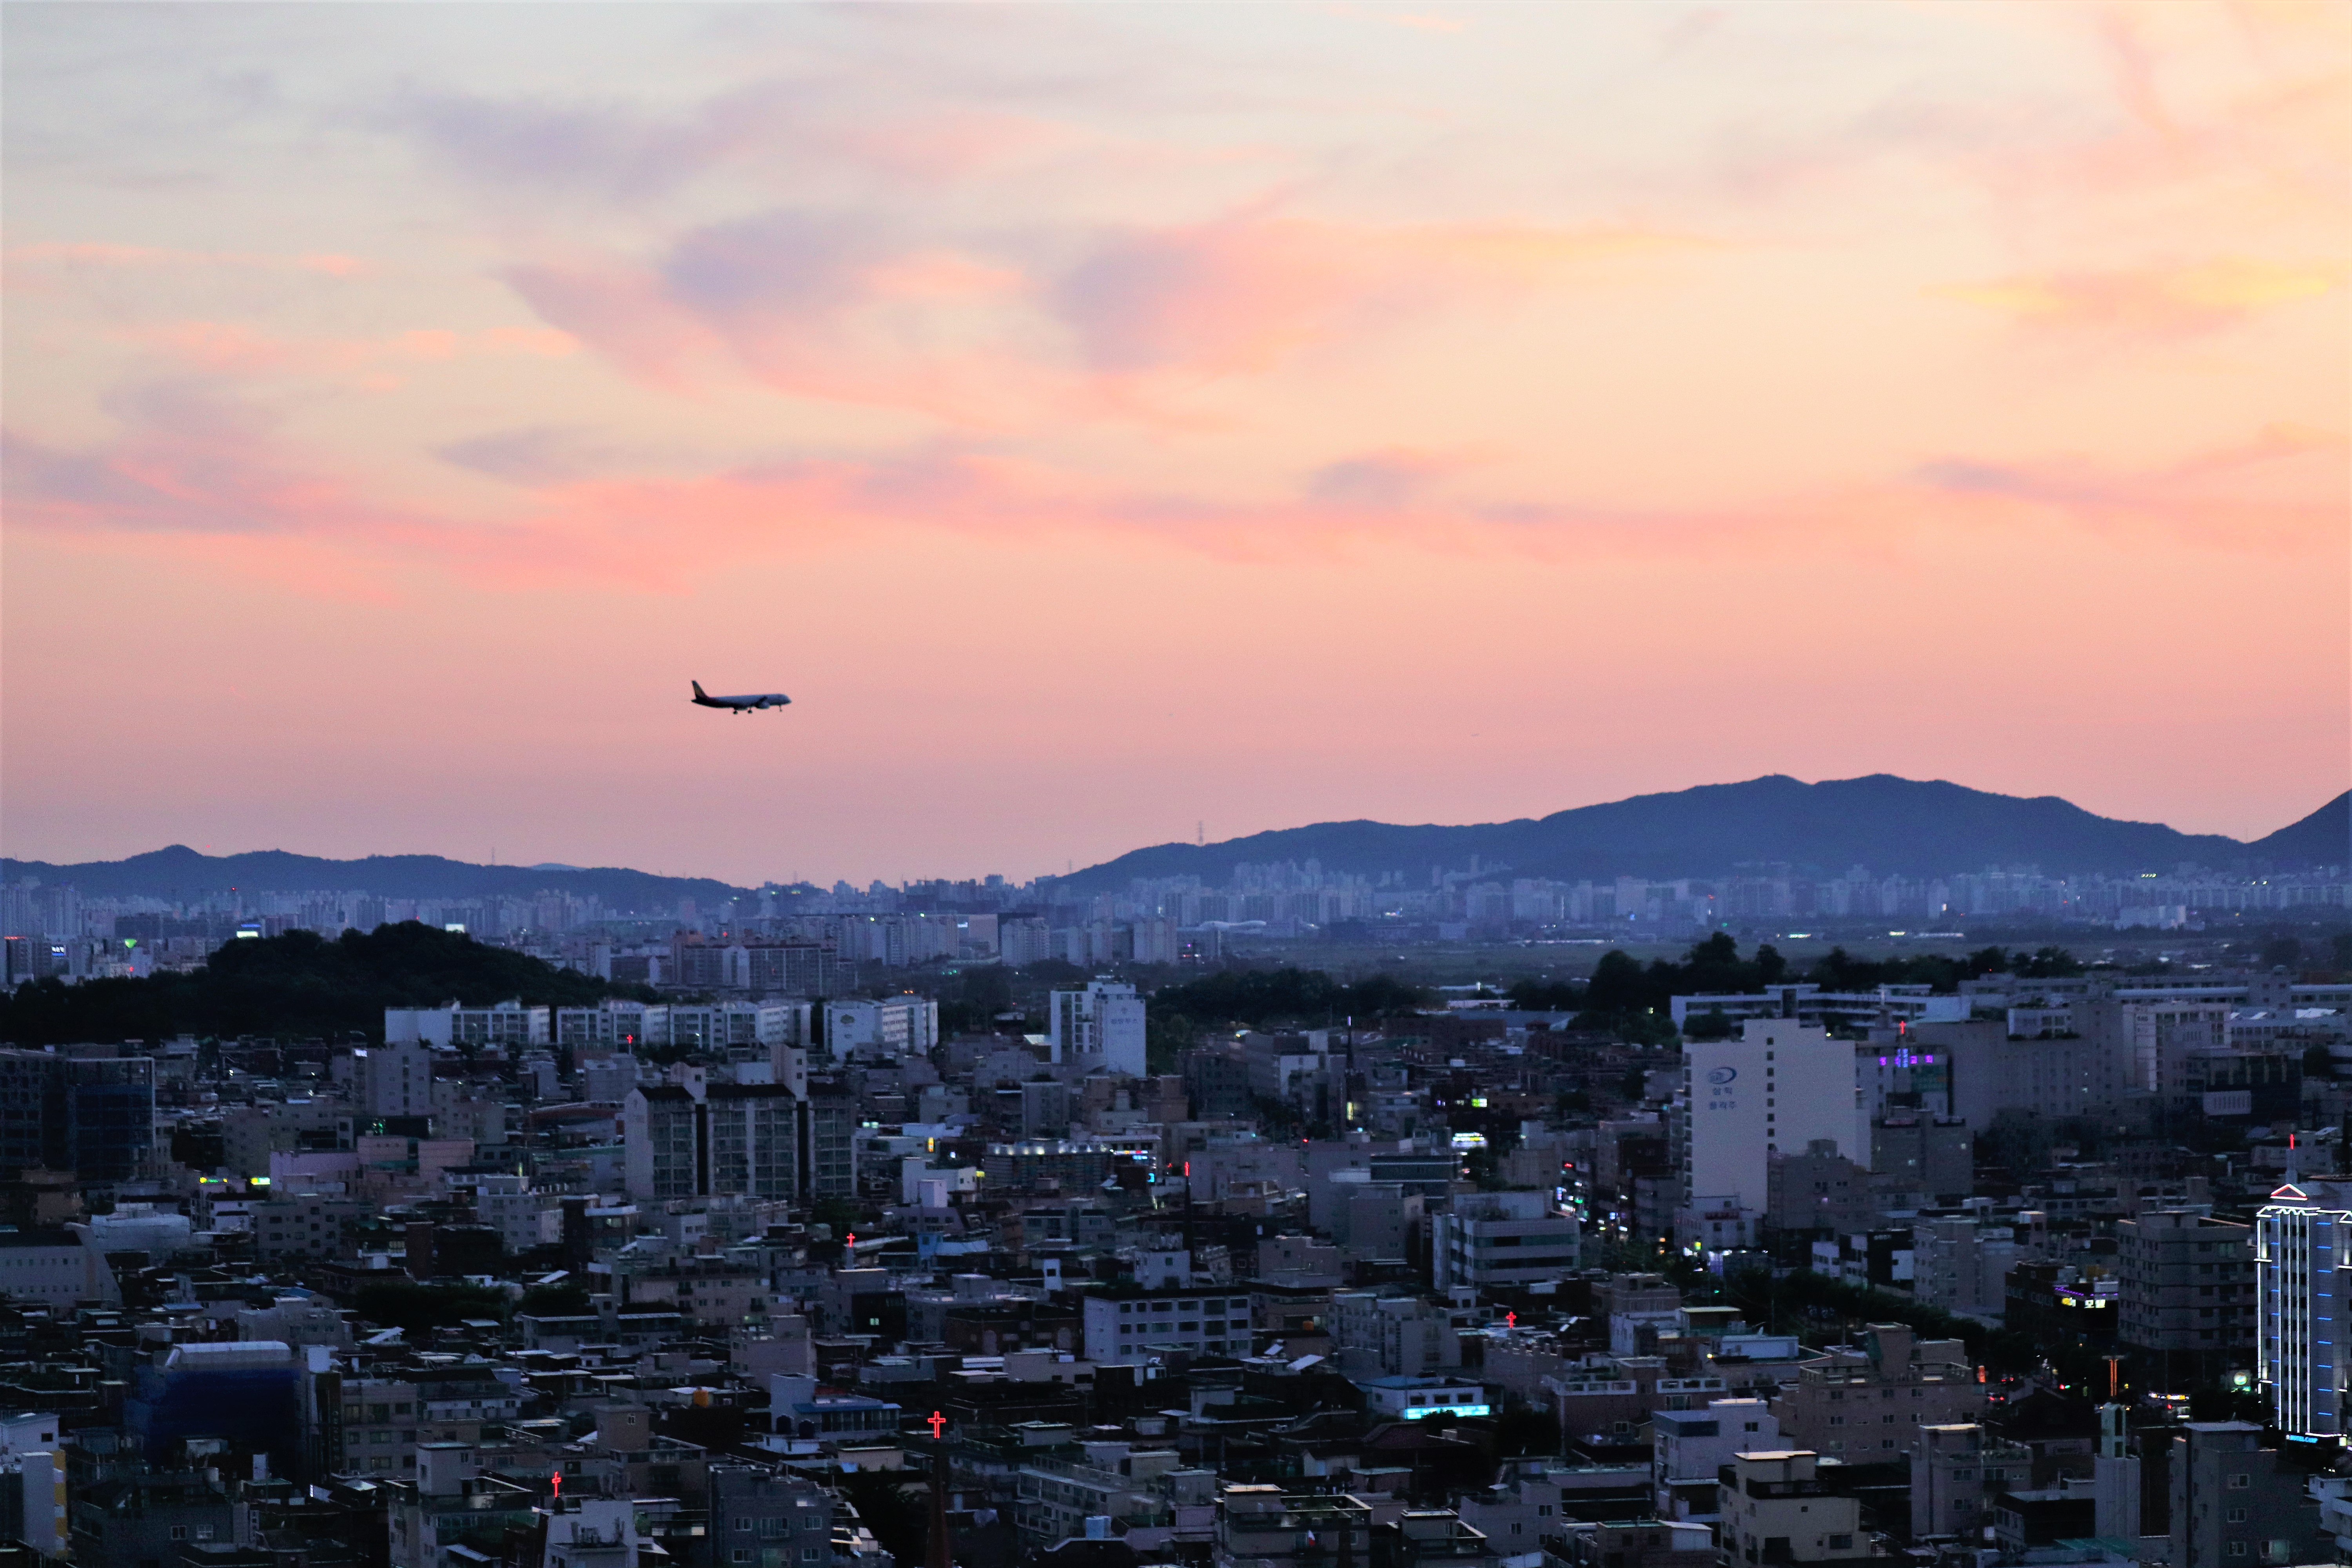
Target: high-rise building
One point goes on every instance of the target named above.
(1024, 940)
(1989, 1071)
(2186, 1297)
(93, 1115)
(694, 1138)
(1100, 1027)
(829, 1150)
(1781, 1085)
(2300, 1310)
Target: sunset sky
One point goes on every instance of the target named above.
(1109, 420)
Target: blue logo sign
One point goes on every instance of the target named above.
(1722, 1075)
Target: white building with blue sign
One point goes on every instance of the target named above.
(1780, 1086)
(1419, 1398)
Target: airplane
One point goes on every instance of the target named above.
(738, 704)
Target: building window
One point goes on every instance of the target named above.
(2237, 1516)
(2240, 1482)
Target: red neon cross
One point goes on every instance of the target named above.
(935, 1422)
(1510, 1319)
(558, 1478)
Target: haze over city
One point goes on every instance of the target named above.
(1116, 424)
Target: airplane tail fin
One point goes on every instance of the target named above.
(697, 687)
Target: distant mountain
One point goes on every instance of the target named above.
(2322, 839)
(180, 872)
(1890, 825)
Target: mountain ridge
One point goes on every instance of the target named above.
(1893, 826)
(1890, 825)
(179, 870)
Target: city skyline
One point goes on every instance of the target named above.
(1108, 422)
(1876, 827)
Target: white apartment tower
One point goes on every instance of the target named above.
(1100, 1027)
(1780, 1086)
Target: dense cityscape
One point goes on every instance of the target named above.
(1007, 1225)
(1299, 784)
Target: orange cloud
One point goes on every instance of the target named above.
(2161, 301)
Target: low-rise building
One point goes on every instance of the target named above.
(1418, 1398)
(1690, 1447)
(2236, 1502)
(1957, 1471)
(1863, 1402)
(1500, 1240)
(1776, 1508)
(1131, 1327)
(1265, 1527)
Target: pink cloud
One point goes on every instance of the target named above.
(1238, 294)
(835, 305)
(620, 153)
(190, 463)
(818, 305)
(84, 254)
(190, 467)
(2282, 488)
(232, 348)
(1389, 478)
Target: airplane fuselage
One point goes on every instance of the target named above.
(744, 704)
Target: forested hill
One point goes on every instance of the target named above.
(298, 985)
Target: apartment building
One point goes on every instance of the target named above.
(2186, 1296)
(1863, 1404)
